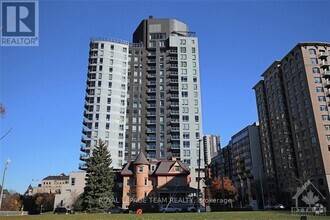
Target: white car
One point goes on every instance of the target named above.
(193, 208)
(169, 209)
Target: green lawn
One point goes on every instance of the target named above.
(266, 215)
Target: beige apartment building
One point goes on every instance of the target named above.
(70, 191)
(293, 110)
(52, 184)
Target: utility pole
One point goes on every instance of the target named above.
(3, 181)
(198, 177)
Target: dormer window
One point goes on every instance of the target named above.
(177, 169)
(153, 167)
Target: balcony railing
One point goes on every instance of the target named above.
(324, 64)
(326, 74)
(323, 54)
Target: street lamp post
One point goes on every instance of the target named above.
(262, 188)
(198, 176)
(3, 181)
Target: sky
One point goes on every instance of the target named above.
(43, 87)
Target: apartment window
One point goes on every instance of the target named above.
(319, 89)
(315, 70)
(185, 110)
(185, 118)
(184, 71)
(193, 49)
(312, 52)
(73, 181)
(314, 61)
(194, 72)
(185, 127)
(323, 108)
(183, 56)
(182, 42)
(99, 83)
(317, 80)
(321, 98)
(140, 169)
(183, 50)
(328, 137)
(184, 86)
(184, 78)
(184, 94)
(183, 64)
(186, 144)
(327, 127)
(107, 125)
(186, 153)
(195, 86)
(187, 161)
(186, 135)
(184, 101)
(325, 117)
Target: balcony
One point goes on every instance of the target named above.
(151, 122)
(151, 113)
(151, 139)
(175, 112)
(151, 76)
(84, 157)
(172, 73)
(324, 64)
(151, 68)
(151, 90)
(172, 52)
(327, 93)
(175, 137)
(152, 97)
(151, 83)
(151, 130)
(172, 81)
(172, 60)
(151, 147)
(151, 54)
(151, 106)
(175, 129)
(85, 148)
(172, 67)
(151, 61)
(174, 121)
(327, 84)
(323, 55)
(83, 166)
(326, 74)
(174, 96)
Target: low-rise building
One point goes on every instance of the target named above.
(51, 184)
(71, 190)
(155, 182)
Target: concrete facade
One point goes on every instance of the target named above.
(71, 191)
(155, 96)
(292, 101)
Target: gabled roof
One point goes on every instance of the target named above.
(165, 166)
(141, 159)
(59, 177)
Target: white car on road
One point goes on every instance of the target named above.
(169, 209)
(193, 208)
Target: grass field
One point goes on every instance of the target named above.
(266, 215)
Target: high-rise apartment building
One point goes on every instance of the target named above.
(145, 96)
(292, 101)
(211, 145)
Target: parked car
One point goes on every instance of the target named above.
(193, 208)
(279, 207)
(63, 210)
(169, 209)
(115, 209)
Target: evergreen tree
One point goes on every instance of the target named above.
(98, 193)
